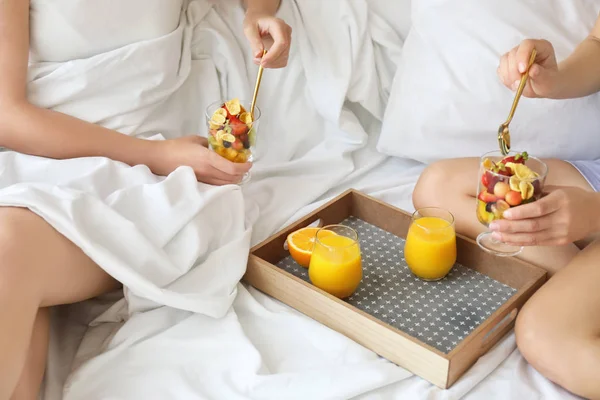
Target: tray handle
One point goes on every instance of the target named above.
(497, 330)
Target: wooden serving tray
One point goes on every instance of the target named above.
(437, 330)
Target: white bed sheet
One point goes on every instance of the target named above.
(259, 348)
(501, 374)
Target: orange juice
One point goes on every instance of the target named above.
(430, 249)
(336, 265)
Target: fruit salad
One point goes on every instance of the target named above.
(505, 184)
(232, 132)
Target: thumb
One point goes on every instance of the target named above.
(540, 74)
(252, 33)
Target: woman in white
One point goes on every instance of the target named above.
(57, 271)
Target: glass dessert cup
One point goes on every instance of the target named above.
(430, 248)
(232, 131)
(506, 182)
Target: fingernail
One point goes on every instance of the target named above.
(507, 214)
(521, 67)
(515, 85)
(496, 235)
(494, 226)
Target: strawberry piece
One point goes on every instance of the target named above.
(516, 159)
(485, 178)
(238, 145)
(487, 197)
(502, 169)
(489, 180)
(237, 127)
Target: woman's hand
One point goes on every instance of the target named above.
(192, 151)
(565, 215)
(543, 76)
(258, 26)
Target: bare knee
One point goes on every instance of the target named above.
(549, 347)
(16, 227)
(434, 180)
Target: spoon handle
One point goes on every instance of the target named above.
(521, 88)
(256, 87)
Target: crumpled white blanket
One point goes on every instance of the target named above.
(186, 328)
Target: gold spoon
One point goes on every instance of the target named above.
(256, 87)
(503, 133)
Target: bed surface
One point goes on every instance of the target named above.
(260, 348)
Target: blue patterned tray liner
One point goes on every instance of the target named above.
(440, 314)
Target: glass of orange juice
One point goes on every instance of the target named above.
(336, 263)
(430, 248)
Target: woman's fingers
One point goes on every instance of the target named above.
(539, 208)
(514, 76)
(224, 170)
(281, 33)
(523, 226)
(503, 70)
(540, 238)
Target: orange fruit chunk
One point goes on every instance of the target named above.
(301, 242)
(230, 154)
(241, 158)
(220, 150)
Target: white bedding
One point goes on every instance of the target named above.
(186, 328)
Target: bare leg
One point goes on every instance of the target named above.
(35, 365)
(57, 272)
(558, 330)
(452, 184)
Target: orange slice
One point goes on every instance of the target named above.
(301, 242)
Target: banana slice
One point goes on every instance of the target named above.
(526, 189)
(233, 106)
(520, 172)
(228, 137)
(523, 172)
(221, 111)
(216, 121)
(246, 118)
(514, 183)
(224, 136)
